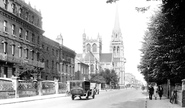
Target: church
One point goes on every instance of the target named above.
(97, 61)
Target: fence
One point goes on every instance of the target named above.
(6, 88)
(27, 88)
(62, 87)
(48, 87)
(13, 88)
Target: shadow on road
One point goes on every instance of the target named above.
(78, 99)
(137, 103)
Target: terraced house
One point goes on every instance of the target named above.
(20, 37)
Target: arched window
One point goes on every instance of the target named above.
(94, 48)
(88, 47)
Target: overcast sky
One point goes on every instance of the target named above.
(72, 18)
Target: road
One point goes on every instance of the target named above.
(126, 98)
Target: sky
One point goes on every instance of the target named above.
(72, 18)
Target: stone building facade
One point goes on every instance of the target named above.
(117, 50)
(97, 61)
(20, 36)
(22, 44)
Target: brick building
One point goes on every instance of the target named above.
(20, 36)
(67, 63)
(50, 57)
(22, 44)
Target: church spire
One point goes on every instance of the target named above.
(116, 24)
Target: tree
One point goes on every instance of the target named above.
(111, 1)
(164, 45)
(107, 76)
(97, 78)
(26, 72)
(110, 77)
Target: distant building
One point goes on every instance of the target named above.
(129, 78)
(81, 70)
(93, 56)
(20, 37)
(97, 61)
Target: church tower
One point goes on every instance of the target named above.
(117, 50)
(92, 45)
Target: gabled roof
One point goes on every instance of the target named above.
(106, 57)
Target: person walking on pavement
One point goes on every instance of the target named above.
(160, 91)
(151, 91)
(155, 91)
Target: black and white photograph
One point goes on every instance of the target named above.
(92, 54)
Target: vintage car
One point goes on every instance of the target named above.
(79, 88)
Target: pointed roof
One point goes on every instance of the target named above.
(116, 24)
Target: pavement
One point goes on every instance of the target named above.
(163, 103)
(32, 98)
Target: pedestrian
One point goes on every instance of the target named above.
(151, 91)
(160, 91)
(155, 91)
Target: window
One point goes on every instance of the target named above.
(38, 39)
(26, 53)
(20, 12)
(38, 56)
(5, 26)
(20, 32)
(26, 16)
(13, 50)
(118, 49)
(92, 68)
(47, 64)
(5, 45)
(38, 22)
(57, 53)
(53, 51)
(114, 49)
(6, 4)
(26, 35)
(20, 51)
(13, 71)
(88, 47)
(32, 54)
(33, 37)
(32, 19)
(94, 48)
(13, 29)
(62, 67)
(13, 8)
(52, 64)
(42, 46)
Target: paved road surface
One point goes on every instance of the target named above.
(126, 98)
